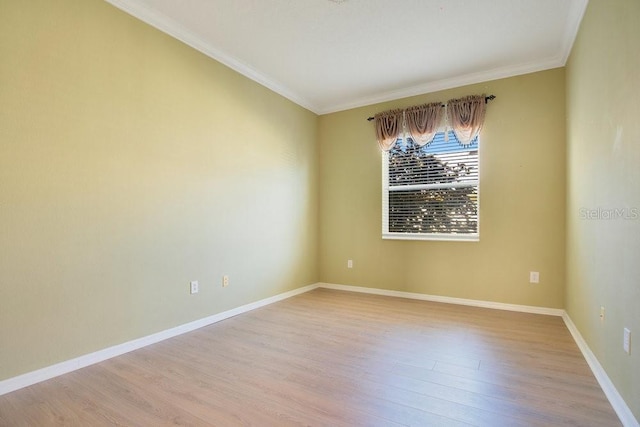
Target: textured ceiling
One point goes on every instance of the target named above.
(329, 55)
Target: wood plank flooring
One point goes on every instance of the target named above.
(331, 358)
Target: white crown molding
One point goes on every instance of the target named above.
(46, 373)
(454, 82)
(571, 31)
(177, 31)
(616, 400)
(574, 19)
(447, 300)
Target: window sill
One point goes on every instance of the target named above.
(434, 237)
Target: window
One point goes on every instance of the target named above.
(431, 192)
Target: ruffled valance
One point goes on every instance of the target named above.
(465, 116)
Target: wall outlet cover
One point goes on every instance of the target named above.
(626, 341)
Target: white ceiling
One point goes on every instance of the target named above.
(331, 55)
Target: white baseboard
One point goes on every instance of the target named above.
(30, 378)
(447, 300)
(619, 405)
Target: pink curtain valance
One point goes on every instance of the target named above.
(465, 116)
(423, 122)
(388, 128)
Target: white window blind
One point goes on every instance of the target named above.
(431, 192)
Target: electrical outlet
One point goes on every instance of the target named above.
(225, 281)
(534, 277)
(349, 263)
(602, 313)
(626, 341)
(195, 287)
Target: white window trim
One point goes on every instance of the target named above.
(387, 235)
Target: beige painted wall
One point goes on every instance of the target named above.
(522, 208)
(603, 133)
(131, 164)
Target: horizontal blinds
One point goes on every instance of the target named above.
(417, 167)
(431, 189)
(452, 210)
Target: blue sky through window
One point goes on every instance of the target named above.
(439, 145)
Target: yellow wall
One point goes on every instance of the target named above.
(131, 164)
(522, 202)
(603, 137)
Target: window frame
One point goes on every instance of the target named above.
(455, 237)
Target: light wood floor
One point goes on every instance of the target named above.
(330, 358)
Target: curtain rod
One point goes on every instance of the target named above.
(486, 99)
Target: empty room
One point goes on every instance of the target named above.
(319, 212)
